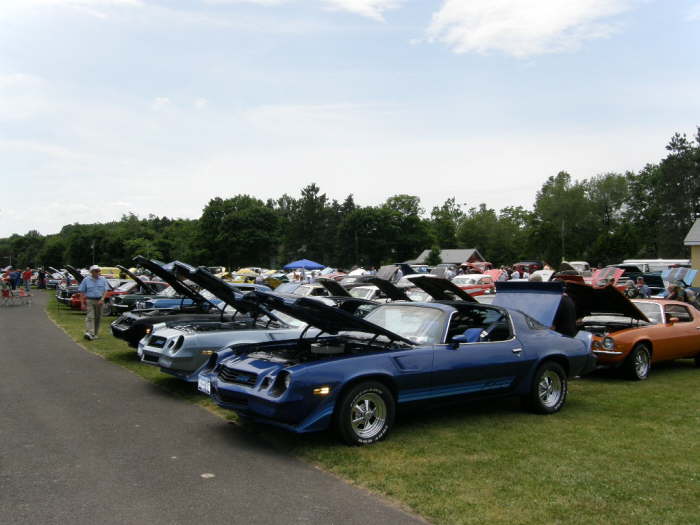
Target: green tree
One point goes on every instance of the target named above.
(433, 258)
(444, 221)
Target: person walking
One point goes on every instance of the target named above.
(27, 278)
(94, 287)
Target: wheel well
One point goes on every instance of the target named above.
(380, 378)
(560, 360)
(646, 342)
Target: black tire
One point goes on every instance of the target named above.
(697, 361)
(549, 389)
(380, 416)
(637, 365)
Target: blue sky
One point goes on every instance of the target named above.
(156, 106)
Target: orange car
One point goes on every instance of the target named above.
(654, 330)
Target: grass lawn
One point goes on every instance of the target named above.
(619, 452)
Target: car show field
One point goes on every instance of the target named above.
(620, 452)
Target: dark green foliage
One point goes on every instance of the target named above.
(602, 220)
(434, 258)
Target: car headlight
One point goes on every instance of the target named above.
(608, 343)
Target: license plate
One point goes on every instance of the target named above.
(204, 385)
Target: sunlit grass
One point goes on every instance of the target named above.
(619, 452)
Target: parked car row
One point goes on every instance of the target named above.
(311, 357)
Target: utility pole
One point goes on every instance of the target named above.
(93, 251)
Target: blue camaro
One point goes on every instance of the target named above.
(399, 353)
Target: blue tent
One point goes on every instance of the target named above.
(305, 264)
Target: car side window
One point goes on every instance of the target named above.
(678, 311)
(493, 319)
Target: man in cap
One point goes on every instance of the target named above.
(94, 287)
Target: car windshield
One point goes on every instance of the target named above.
(420, 296)
(286, 288)
(651, 310)
(362, 292)
(126, 286)
(303, 290)
(168, 292)
(418, 324)
(464, 280)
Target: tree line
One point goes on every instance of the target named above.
(602, 220)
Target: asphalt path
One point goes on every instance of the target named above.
(83, 441)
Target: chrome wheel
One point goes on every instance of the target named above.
(368, 415)
(550, 389)
(641, 363)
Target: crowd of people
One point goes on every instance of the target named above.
(15, 278)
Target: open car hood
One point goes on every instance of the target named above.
(387, 272)
(180, 287)
(75, 273)
(685, 275)
(220, 289)
(539, 300)
(441, 289)
(140, 282)
(602, 301)
(327, 318)
(600, 277)
(333, 287)
(389, 289)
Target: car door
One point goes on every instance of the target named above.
(493, 365)
(684, 334)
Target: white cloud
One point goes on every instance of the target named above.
(160, 103)
(523, 27)
(694, 12)
(369, 8)
(200, 103)
(70, 3)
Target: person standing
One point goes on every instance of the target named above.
(27, 278)
(94, 287)
(41, 279)
(14, 278)
(642, 288)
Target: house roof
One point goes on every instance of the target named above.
(693, 237)
(451, 256)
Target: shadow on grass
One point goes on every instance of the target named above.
(665, 369)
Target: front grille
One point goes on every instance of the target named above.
(229, 375)
(157, 341)
(150, 358)
(233, 397)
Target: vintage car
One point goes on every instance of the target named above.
(125, 297)
(182, 348)
(78, 301)
(133, 325)
(634, 335)
(354, 376)
(528, 266)
(475, 284)
(69, 286)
